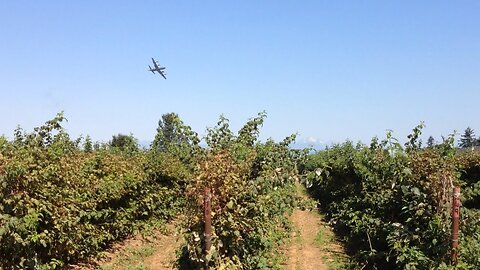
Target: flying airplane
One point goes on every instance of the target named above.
(158, 68)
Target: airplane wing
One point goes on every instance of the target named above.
(161, 72)
(155, 63)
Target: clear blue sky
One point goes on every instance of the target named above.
(329, 70)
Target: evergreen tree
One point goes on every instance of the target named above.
(126, 143)
(430, 142)
(177, 141)
(172, 132)
(88, 145)
(468, 139)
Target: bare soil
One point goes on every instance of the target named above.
(304, 253)
(164, 256)
(313, 243)
(156, 252)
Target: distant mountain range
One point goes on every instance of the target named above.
(315, 146)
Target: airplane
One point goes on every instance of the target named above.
(158, 68)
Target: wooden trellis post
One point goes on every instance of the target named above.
(455, 224)
(207, 203)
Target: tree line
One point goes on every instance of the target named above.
(467, 140)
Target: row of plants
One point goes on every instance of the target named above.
(468, 164)
(62, 200)
(253, 192)
(391, 204)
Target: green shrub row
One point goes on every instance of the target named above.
(252, 193)
(392, 204)
(468, 165)
(59, 203)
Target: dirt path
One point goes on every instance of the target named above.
(304, 253)
(313, 245)
(155, 252)
(165, 252)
